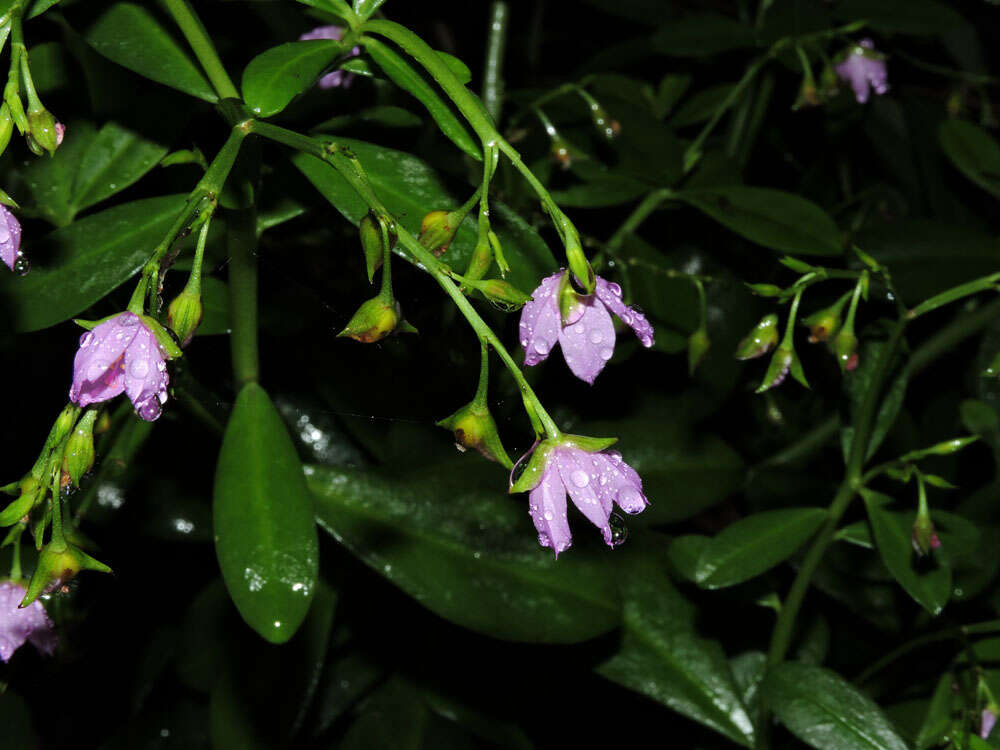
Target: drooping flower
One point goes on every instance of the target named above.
(987, 720)
(338, 77)
(595, 478)
(10, 239)
(864, 69)
(581, 324)
(19, 625)
(121, 354)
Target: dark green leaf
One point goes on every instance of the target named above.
(265, 530)
(778, 220)
(825, 711)
(275, 77)
(131, 36)
(610, 190)
(51, 67)
(115, 159)
(45, 186)
(929, 586)
(663, 657)
(747, 548)
(482, 569)
(857, 386)
(410, 188)
(215, 307)
(973, 151)
(75, 266)
(937, 720)
(901, 16)
(701, 36)
(702, 105)
(40, 6)
(684, 553)
(403, 75)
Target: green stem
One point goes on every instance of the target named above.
(193, 285)
(15, 565)
(484, 375)
(987, 283)
(493, 76)
(242, 240)
(635, 219)
(194, 31)
(352, 171)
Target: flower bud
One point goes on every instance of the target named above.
(78, 458)
(766, 290)
(808, 94)
(474, 428)
(482, 258)
(762, 338)
(698, 345)
(783, 361)
(372, 243)
(845, 348)
(606, 126)
(64, 423)
(6, 126)
(560, 152)
(58, 562)
(988, 719)
(42, 131)
(31, 492)
(184, 315)
(438, 229)
(503, 294)
(373, 321)
(924, 536)
(826, 322)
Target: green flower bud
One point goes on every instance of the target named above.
(42, 131)
(6, 126)
(561, 153)
(59, 562)
(78, 458)
(372, 243)
(474, 428)
(783, 361)
(184, 315)
(482, 258)
(762, 338)
(924, 535)
(698, 345)
(438, 228)
(503, 294)
(766, 290)
(845, 348)
(826, 322)
(373, 321)
(31, 493)
(808, 94)
(64, 423)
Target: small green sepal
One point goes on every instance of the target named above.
(167, 343)
(58, 562)
(474, 427)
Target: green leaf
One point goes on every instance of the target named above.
(937, 720)
(365, 8)
(410, 188)
(608, 190)
(458, 68)
(973, 152)
(131, 36)
(403, 75)
(265, 530)
(901, 16)
(825, 711)
(481, 568)
(215, 307)
(115, 159)
(856, 387)
(275, 77)
(663, 657)
(930, 586)
(684, 553)
(752, 545)
(701, 105)
(75, 266)
(772, 218)
(701, 35)
(40, 6)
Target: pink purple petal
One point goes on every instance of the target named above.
(540, 323)
(145, 375)
(611, 295)
(588, 343)
(99, 363)
(622, 481)
(323, 32)
(863, 72)
(577, 473)
(10, 237)
(20, 625)
(547, 503)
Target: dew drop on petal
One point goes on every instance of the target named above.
(615, 289)
(542, 347)
(596, 337)
(580, 478)
(606, 353)
(86, 338)
(619, 531)
(139, 368)
(630, 498)
(548, 515)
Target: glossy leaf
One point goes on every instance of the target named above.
(481, 569)
(663, 657)
(45, 186)
(753, 545)
(825, 711)
(133, 37)
(702, 35)
(40, 6)
(410, 188)
(772, 218)
(275, 77)
(407, 78)
(928, 580)
(265, 531)
(365, 8)
(684, 553)
(116, 158)
(75, 266)
(973, 151)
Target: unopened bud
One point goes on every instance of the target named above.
(438, 229)
(845, 348)
(762, 338)
(474, 428)
(606, 126)
(373, 321)
(78, 458)
(64, 423)
(31, 492)
(698, 345)
(766, 290)
(826, 322)
(482, 258)
(808, 94)
(184, 315)
(924, 536)
(58, 562)
(6, 126)
(42, 131)
(372, 243)
(503, 294)
(560, 153)
(783, 361)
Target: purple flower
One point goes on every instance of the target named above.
(337, 77)
(595, 480)
(121, 354)
(60, 133)
(19, 625)
(583, 327)
(10, 237)
(987, 719)
(864, 69)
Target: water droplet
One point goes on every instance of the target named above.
(619, 531)
(626, 318)
(606, 354)
(519, 468)
(542, 347)
(86, 338)
(580, 478)
(128, 320)
(548, 515)
(22, 265)
(615, 289)
(596, 337)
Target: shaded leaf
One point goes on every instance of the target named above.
(275, 77)
(973, 152)
(116, 158)
(701, 35)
